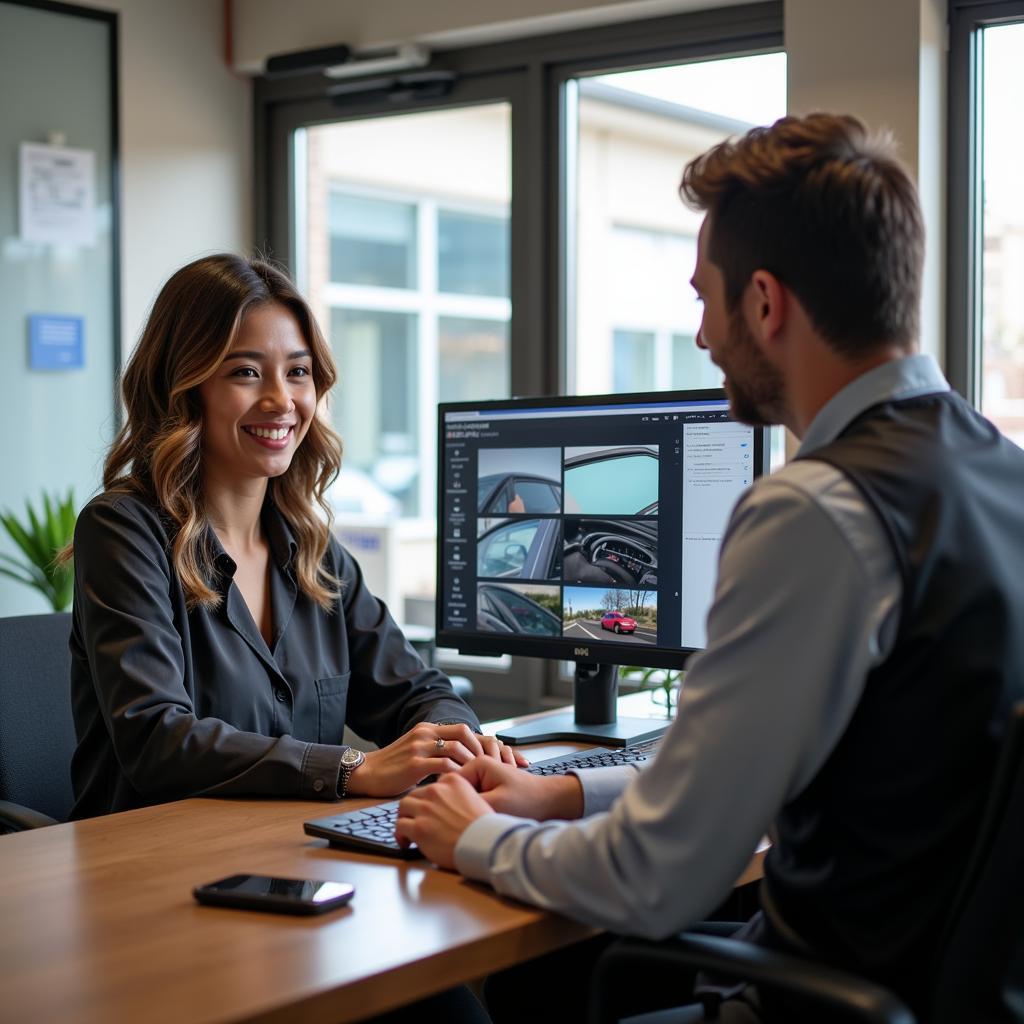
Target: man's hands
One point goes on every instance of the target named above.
(511, 791)
(411, 758)
(434, 817)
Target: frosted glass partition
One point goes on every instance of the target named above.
(58, 89)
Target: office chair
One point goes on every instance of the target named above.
(979, 974)
(37, 734)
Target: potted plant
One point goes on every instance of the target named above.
(42, 537)
(663, 683)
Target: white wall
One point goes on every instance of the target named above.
(186, 145)
(885, 61)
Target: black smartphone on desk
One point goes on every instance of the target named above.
(279, 895)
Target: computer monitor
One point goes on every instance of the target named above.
(586, 529)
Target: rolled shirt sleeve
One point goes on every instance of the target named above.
(601, 787)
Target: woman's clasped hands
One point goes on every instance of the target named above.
(426, 749)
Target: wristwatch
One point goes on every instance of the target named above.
(351, 759)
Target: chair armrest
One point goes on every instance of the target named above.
(745, 961)
(16, 818)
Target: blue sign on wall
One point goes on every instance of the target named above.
(56, 342)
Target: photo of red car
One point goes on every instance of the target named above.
(618, 622)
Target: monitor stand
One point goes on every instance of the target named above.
(594, 718)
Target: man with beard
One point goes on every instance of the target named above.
(863, 644)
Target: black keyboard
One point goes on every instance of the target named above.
(372, 829)
(596, 757)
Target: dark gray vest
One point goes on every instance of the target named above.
(868, 856)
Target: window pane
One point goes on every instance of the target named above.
(520, 549)
(375, 406)
(473, 356)
(502, 551)
(537, 496)
(373, 241)
(692, 366)
(472, 253)
(634, 240)
(632, 361)
(1002, 300)
(402, 250)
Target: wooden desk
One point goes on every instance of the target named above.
(98, 924)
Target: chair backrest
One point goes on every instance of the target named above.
(37, 734)
(981, 973)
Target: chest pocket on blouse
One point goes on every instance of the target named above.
(332, 695)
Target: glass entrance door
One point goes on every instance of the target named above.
(400, 227)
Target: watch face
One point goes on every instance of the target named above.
(352, 757)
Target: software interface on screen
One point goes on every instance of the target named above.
(589, 523)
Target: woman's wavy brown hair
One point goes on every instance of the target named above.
(158, 451)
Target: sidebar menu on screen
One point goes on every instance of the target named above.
(459, 515)
(718, 465)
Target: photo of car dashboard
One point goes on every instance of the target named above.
(606, 551)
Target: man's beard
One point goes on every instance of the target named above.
(754, 386)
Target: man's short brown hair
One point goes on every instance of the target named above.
(830, 212)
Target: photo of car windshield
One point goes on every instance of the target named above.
(508, 608)
(519, 481)
(610, 481)
(610, 613)
(611, 551)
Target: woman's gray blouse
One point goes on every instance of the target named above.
(170, 703)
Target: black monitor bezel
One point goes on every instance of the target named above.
(560, 648)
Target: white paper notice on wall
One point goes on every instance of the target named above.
(57, 195)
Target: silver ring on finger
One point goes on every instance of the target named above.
(439, 744)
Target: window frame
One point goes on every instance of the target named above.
(661, 329)
(534, 76)
(531, 74)
(427, 304)
(965, 219)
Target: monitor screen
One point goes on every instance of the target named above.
(586, 528)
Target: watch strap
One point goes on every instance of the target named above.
(344, 774)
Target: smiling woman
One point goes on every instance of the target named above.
(259, 402)
(222, 639)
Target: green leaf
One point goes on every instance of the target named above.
(68, 517)
(35, 530)
(33, 572)
(28, 581)
(62, 594)
(51, 525)
(41, 538)
(36, 525)
(22, 538)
